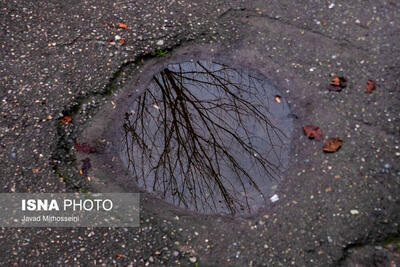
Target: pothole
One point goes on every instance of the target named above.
(208, 137)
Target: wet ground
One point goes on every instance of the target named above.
(334, 209)
(207, 137)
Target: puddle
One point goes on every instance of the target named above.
(209, 138)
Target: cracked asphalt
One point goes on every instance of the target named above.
(340, 209)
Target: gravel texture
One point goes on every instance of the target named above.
(65, 58)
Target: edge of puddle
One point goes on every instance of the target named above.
(109, 173)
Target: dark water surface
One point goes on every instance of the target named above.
(209, 138)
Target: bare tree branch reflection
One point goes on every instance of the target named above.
(201, 136)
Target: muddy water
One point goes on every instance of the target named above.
(210, 138)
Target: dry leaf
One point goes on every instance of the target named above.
(84, 148)
(123, 26)
(337, 83)
(36, 170)
(120, 256)
(122, 42)
(328, 189)
(371, 85)
(332, 144)
(109, 40)
(313, 132)
(65, 119)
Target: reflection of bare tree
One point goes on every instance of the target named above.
(195, 136)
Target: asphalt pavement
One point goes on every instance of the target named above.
(79, 59)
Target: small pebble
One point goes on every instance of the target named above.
(192, 259)
(160, 42)
(274, 198)
(354, 212)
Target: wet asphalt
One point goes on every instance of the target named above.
(338, 209)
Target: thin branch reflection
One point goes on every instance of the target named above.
(206, 137)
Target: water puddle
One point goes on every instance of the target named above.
(210, 138)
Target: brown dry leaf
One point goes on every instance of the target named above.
(337, 83)
(123, 26)
(328, 189)
(109, 40)
(332, 144)
(36, 170)
(313, 132)
(65, 119)
(371, 85)
(120, 256)
(122, 42)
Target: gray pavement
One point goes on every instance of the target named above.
(339, 209)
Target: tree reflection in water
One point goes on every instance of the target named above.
(205, 136)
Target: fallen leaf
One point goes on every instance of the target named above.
(65, 119)
(313, 132)
(109, 40)
(337, 84)
(84, 148)
(371, 85)
(123, 26)
(328, 189)
(332, 144)
(36, 170)
(122, 42)
(120, 256)
(85, 166)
